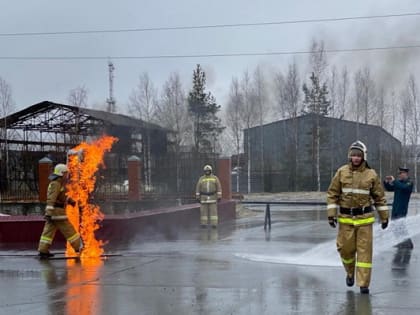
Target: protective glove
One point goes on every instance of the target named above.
(384, 225)
(332, 221)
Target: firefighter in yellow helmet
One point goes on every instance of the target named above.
(349, 201)
(208, 191)
(55, 214)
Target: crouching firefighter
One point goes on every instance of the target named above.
(208, 191)
(55, 214)
(349, 201)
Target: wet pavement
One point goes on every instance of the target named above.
(236, 269)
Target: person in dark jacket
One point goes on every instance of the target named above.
(402, 188)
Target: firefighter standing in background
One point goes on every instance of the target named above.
(208, 191)
(402, 188)
(55, 214)
(351, 191)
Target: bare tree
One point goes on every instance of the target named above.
(412, 90)
(318, 59)
(261, 96)
(288, 88)
(288, 92)
(392, 113)
(250, 117)
(6, 107)
(380, 120)
(78, 98)
(333, 87)
(406, 112)
(142, 104)
(364, 96)
(368, 94)
(358, 96)
(234, 122)
(342, 93)
(381, 108)
(172, 112)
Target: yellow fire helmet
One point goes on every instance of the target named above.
(60, 169)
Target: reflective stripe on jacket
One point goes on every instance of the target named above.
(356, 188)
(208, 189)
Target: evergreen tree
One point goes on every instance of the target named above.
(316, 101)
(203, 109)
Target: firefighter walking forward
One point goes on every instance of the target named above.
(55, 214)
(208, 191)
(349, 201)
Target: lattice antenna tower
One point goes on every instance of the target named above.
(110, 100)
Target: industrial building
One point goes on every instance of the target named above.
(283, 154)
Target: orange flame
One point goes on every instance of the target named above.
(82, 295)
(83, 162)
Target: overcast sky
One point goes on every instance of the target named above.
(33, 81)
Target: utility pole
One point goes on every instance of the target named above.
(110, 100)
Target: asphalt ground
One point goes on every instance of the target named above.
(237, 268)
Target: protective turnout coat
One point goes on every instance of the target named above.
(56, 198)
(356, 188)
(208, 189)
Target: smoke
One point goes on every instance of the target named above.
(389, 67)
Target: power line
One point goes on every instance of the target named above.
(243, 54)
(210, 26)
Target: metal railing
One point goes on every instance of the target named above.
(267, 212)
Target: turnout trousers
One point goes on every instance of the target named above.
(208, 213)
(65, 227)
(354, 243)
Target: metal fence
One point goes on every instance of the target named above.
(172, 176)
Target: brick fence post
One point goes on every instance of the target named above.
(134, 178)
(44, 171)
(224, 169)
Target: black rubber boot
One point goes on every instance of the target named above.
(349, 281)
(45, 255)
(364, 290)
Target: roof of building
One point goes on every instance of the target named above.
(312, 115)
(62, 114)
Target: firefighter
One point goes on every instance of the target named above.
(349, 201)
(208, 191)
(402, 188)
(55, 214)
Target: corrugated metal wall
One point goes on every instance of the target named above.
(287, 160)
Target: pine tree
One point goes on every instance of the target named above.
(316, 103)
(203, 109)
(316, 98)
